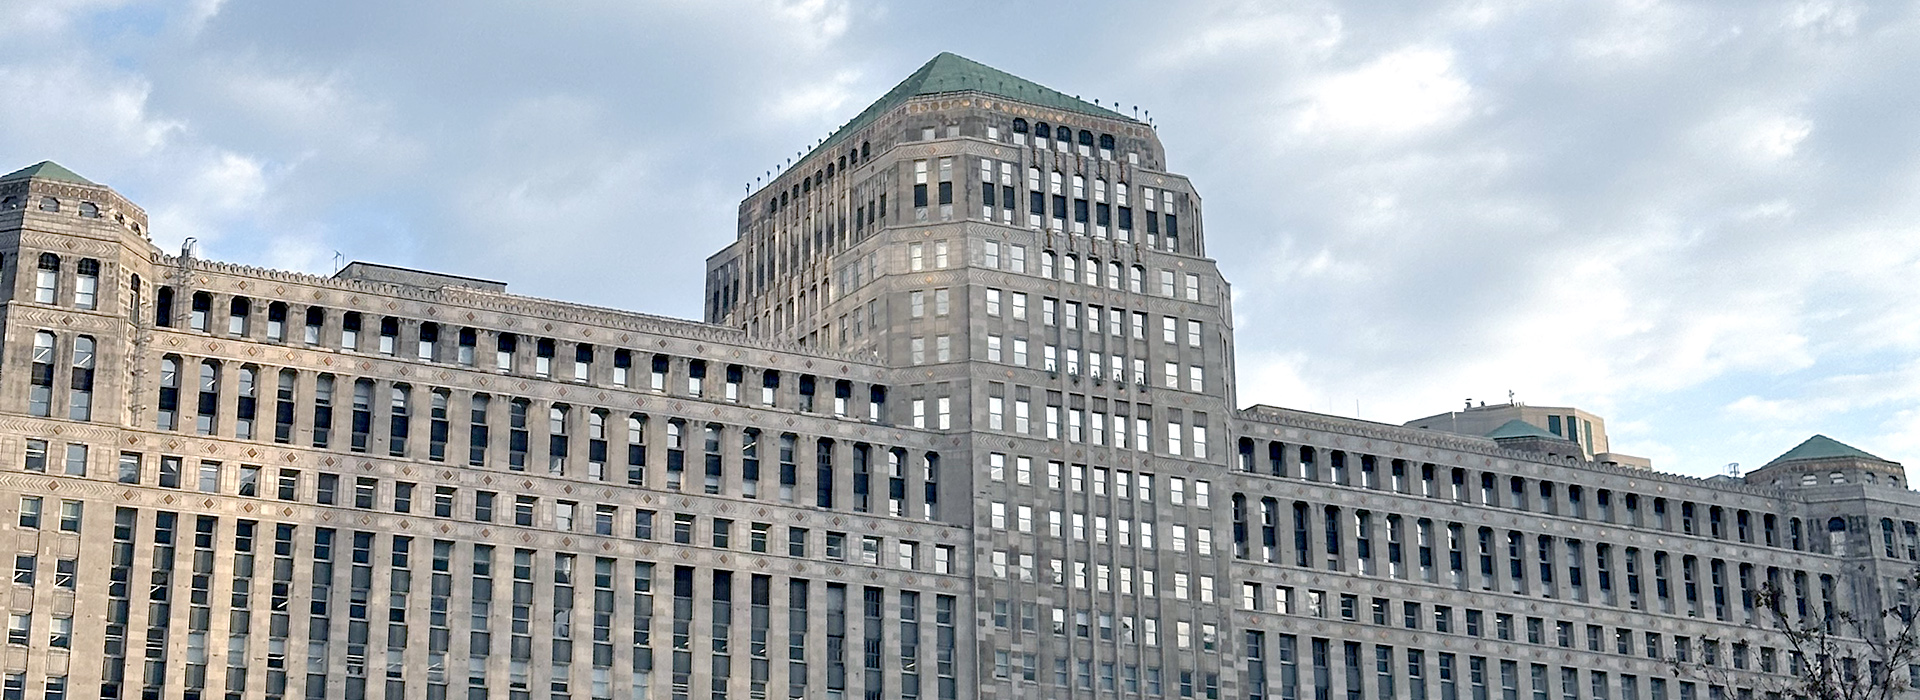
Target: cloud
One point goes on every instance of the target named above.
(1696, 219)
(1403, 92)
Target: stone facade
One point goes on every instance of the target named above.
(960, 423)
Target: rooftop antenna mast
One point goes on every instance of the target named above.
(339, 261)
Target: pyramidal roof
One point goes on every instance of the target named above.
(1517, 428)
(47, 170)
(948, 73)
(1823, 447)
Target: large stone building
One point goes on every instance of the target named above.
(959, 424)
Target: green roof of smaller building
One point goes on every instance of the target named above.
(47, 170)
(1823, 447)
(1517, 428)
(949, 72)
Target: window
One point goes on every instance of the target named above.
(40, 392)
(70, 513)
(60, 634)
(523, 510)
(129, 471)
(36, 456)
(86, 284)
(30, 512)
(47, 279)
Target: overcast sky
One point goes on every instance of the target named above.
(1697, 220)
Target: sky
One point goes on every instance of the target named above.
(1694, 219)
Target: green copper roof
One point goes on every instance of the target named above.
(1517, 428)
(47, 170)
(1823, 447)
(949, 72)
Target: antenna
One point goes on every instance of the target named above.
(1733, 469)
(339, 261)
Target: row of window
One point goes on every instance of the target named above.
(594, 604)
(1334, 666)
(869, 477)
(84, 293)
(1738, 655)
(1016, 618)
(50, 204)
(49, 363)
(584, 364)
(1337, 539)
(1542, 496)
(1185, 432)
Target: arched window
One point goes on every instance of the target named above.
(469, 339)
(504, 347)
(428, 341)
(676, 453)
(823, 473)
(81, 405)
(202, 307)
(1019, 126)
(40, 395)
(90, 210)
(769, 386)
(277, 321)
(439, 408)
(246, 405)
(1086, 142)
(389, 335)
(1106, 145)
(637, 449)
(46, 280)
(207, 412)
(283, 406)
(9, 204)
(1837, 536)
(315, 321)
(399, 419)
(237, 312)
(133, 299)
(49, 204)
(322, 410)
(362, 418)
(1042, 131)
(350, 331)
(1137, 280)
(86, 284)
(168, 410)
(864, 151)
(710, 458)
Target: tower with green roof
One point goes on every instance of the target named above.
(1026, 260)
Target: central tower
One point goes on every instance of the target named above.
(1038, 281)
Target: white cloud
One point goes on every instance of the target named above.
(1402, 92)
(1695, 218)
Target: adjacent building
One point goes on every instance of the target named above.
(1585, 432)
(959, 423)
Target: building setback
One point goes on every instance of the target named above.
(959, 423)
